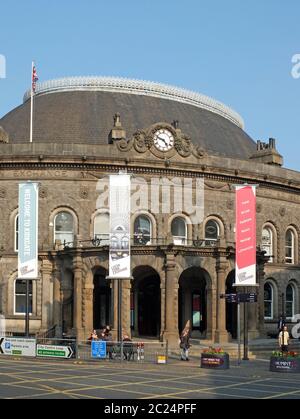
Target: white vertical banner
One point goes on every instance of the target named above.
(119, 203)
(245, 236)
(28, 231)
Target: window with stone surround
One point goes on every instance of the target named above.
(290, 247)
(20, 297)
(142, 230)
(16, 235)
(101, 228)
(179, 231)
(290, 301)
(64, 227)
(267, 241)
(269, 301)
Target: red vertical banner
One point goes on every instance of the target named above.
(245, 236)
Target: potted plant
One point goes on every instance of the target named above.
(285, 362)
(215, 358)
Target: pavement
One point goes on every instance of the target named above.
(42, 379)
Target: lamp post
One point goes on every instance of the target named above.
(27, 314)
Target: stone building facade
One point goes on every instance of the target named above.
(86, 129)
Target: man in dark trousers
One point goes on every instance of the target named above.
(281, 323)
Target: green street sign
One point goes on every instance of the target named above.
(50, 351)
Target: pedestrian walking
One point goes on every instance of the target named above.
(185, 342)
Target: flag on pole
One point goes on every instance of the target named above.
(34, 78)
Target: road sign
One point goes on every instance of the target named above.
(240, 298)
(230, 298)
(247, 298)
(98, 349)
(51, 351)
(18, 347)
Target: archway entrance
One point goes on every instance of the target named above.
(231, 308)
(102, 300)
(192, 303)
(145, 302)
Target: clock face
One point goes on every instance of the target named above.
(163, 140)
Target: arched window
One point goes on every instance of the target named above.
(179, 231)
(269, 300)
(20, 297)
(114, 243)
(125, 243)
(16, 235)
(142, 230)
(101, 228)
(290, 301)
(267, 242)
(64, 227)
(290, 247)
(212, 230)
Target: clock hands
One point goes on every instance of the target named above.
(163, 140)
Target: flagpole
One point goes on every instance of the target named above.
(31, 107)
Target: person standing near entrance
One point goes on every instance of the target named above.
(185, 342)
(284, 339)
(281, 324)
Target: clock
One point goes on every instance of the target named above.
(163, 140)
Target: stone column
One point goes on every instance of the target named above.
(221, 335)
(47, 294)
(78, 275)
(88, 309)
(57, 302)
(126, 289)
(261, 300)
(211, 313)
(162, 306)
(171, 333)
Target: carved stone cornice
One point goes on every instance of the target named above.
(211, 173)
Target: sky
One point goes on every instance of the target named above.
(238, 52)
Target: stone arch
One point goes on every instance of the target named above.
(152, 218)
(277, 241)
(146, 302)
(92, 220)
(55, 212)
(12, 224)
(195, 301)
(188, 222)
(221, 222)
(272, 227)
(276, 296)
(295, 231)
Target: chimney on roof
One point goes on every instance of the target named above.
(267, 153)
(118, 132)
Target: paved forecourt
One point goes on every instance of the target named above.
(30, 378)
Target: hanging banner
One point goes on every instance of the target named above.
(245, 236)
(119, 202)
(28, 231)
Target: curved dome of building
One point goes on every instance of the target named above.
(81, 110)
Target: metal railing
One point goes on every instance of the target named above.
(70, 348)
(149, 352)
(143, 242)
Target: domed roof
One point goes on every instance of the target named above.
(81, 110)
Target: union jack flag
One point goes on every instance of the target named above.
(34, 78)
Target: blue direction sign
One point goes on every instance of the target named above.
(98, 349)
